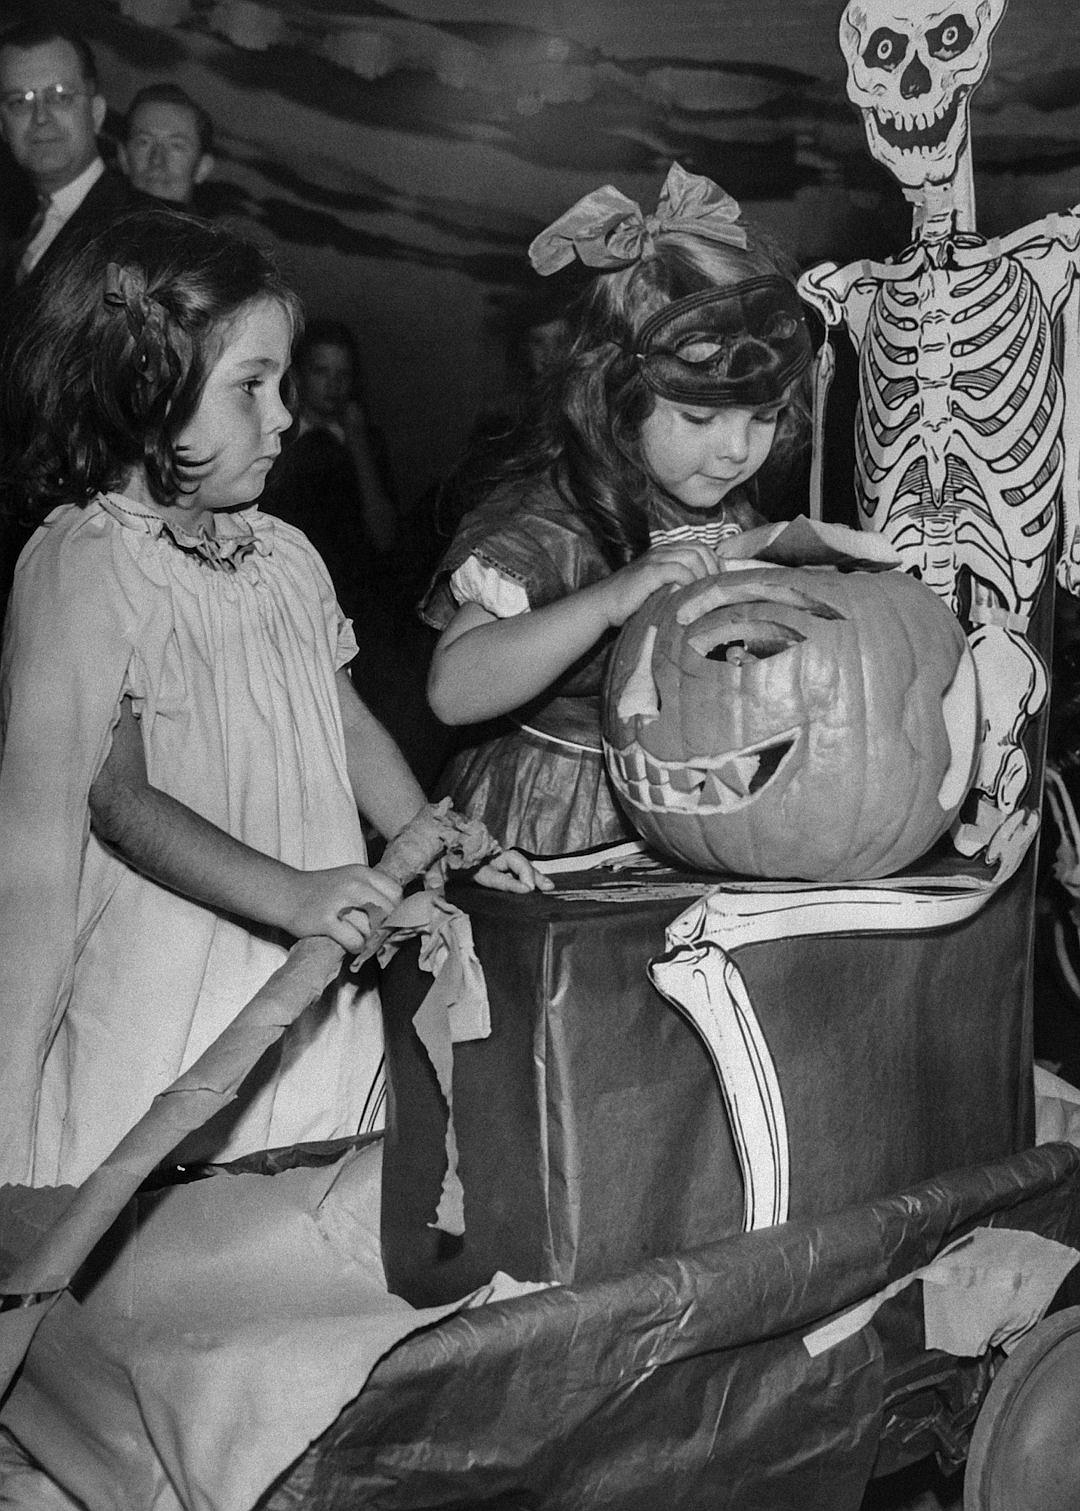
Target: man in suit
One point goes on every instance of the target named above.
(50, 114)
(166, 150)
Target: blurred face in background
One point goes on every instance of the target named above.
(162, 155)
(324, 381)
(49, 113)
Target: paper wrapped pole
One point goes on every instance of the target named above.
(436, 840)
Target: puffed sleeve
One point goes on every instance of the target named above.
(66, 656)
(525, 545)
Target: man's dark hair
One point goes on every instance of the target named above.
(172, 94)
(27, 34)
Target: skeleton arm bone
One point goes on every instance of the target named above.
(844, 295)
(1068, 571)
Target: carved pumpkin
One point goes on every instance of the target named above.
(792, 722)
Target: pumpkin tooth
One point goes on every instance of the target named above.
(717, 796)
(739, 774)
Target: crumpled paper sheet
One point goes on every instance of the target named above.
(1057, 1109)
(229, 1323)
(455, 1010)
(988, 1289)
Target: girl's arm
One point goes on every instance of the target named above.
(484, 666)
(385, 790)
(389, 795)
(172, 844)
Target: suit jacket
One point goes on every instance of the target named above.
(109, 196)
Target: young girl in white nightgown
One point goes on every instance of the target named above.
(183, 753)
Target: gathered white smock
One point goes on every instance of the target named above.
(111, 985)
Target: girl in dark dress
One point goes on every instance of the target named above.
(683, 373)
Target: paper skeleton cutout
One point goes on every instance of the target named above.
(966, 437)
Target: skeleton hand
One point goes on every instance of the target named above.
(1068, 569)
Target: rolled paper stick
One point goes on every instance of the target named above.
(436, 835)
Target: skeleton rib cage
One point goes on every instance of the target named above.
(958, 439)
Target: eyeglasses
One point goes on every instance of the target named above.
(57, 100)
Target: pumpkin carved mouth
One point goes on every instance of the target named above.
(706, 786)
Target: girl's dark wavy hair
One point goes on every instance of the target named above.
(590, 408)
(106, 357)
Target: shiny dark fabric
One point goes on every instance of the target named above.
(591, 1127)
(535, 787)
(684, 1384)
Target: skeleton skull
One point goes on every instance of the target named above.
(912, 65)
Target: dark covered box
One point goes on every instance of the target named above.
(591, 1126)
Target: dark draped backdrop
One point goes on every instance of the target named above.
(402, 155)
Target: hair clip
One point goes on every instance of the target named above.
(125, 288)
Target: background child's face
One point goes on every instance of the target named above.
(325, 381)
(699, 454)
(238, 424)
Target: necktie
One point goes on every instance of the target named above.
(39, 233)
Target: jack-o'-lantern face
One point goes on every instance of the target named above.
(792, 722)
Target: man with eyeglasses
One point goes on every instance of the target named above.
(50, 114)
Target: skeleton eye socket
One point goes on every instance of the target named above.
(951, 38)
(886, 49)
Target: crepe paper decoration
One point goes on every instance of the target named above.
(787, 722)
(606, 229)
(453, 1011)
(435, 840)
(697, 974)
(246, 24)
(237, 1315)
(967, 430)
(1057, 1109)
(157, 12)
(986, 1290)
(803, 542)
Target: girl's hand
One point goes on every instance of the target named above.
(679, 562)
(335, 903)
(510, 871)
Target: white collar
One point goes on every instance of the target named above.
(67, 199)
